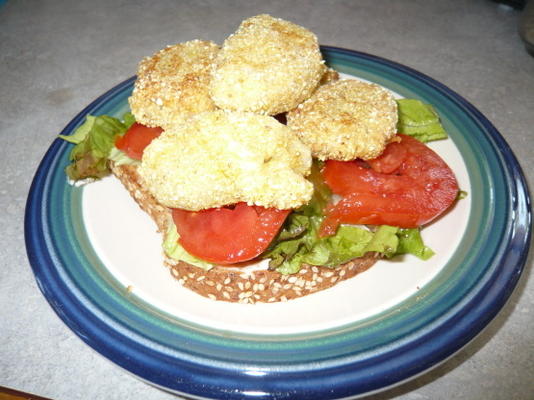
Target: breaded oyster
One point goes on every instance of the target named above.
(220, 158)
(346, 119)
(267, 66)
(172, 84)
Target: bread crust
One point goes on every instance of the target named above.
(234, 284)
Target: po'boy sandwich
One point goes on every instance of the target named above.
(256, 209)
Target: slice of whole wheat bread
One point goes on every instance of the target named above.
(236, 284)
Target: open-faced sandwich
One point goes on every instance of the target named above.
(269, 177)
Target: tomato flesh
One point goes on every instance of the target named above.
(228, 235)
(136, 139)
(409, 185)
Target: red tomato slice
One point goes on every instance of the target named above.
(409, 185)
(228, 235)
(134, 141)
(390, 159)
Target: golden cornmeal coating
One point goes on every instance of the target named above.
(268, 66)
(346, 119)
(330, 75)
(220, 158)
(172, 84)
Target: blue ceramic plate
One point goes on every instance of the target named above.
(380, 328)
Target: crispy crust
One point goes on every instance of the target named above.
(172, 84)
(268, 66)
(346, 119)
(227, 157)
(330, 75)
(234, 284)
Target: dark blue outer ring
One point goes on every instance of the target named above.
(356, 378)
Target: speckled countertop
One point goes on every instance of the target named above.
(57, 56)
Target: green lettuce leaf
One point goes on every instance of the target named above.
(81, 132)
(128, 119)
(419, 120)
(119, 157)
(322, 193)
(349, 242)
(462, 194)
(411, 242)
(94, 140)
(385, 241)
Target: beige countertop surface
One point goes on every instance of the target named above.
(57, 56)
